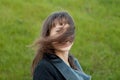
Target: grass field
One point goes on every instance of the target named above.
(97, 43)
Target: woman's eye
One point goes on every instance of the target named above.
(61, 24)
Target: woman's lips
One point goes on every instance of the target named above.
(66, 44)
(62, 45)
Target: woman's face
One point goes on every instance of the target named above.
(57, 30)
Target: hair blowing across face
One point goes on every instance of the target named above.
(44, 43)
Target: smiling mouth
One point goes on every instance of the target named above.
(66, 44)
(63, 44)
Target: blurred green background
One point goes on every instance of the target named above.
(97, 43)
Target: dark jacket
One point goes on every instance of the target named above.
(51, 67)
(46, 71)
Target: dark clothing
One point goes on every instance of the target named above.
(46, 71)
(51, 67)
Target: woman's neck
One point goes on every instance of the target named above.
(63, 56)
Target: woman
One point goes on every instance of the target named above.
(53, 60)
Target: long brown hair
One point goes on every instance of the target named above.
(45, 41)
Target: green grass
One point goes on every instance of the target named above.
(97, 43)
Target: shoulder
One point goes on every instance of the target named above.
(46, 71)
(43, 71)
(43, 66)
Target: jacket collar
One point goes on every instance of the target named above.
(63, 68)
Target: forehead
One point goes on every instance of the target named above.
(60, 20)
